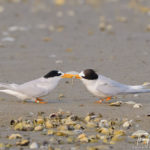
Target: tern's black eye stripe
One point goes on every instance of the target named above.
(53, 73)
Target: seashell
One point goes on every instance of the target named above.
(70, 140)
(13, 122)
(24, 126)
(39, 121)
(93, 139)
(97, 120)
(23, 142)
(112, 123)
(137, 105)
(119, 133)
(140, 133)
(103, 124)
(63, 133)
(19, 126)
(87, 118)
(91, 125)
(78, 126)
(62, 127)
(28, 127)
(38, 128)
(118, 103)
(102, 26)
(50, 132)
(68, 121)
(106, 131)
(127, 124)
(34, 145)
(116, 138)
(48, 124)
(15, 136)
(82, 138)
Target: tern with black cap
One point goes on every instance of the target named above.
(106, 88)
(37, 88)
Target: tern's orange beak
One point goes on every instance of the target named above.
(77, 76)
(67, 75)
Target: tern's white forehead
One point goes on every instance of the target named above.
(81, 74)
(60, 72)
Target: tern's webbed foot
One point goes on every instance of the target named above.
(40, 101)
(105, 99)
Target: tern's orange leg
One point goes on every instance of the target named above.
(39, 101)
(99, 101)
(108, 98)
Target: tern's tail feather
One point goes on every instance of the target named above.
(8, 86)
(138, 89)
(15, 93)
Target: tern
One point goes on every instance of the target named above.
(35, 89)
(106, 88)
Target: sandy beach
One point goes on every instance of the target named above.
(110, 36)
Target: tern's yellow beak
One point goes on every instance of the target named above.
(77, 76)
(65, 75)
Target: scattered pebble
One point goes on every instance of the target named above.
(137, 105)
(15, 136)
(23, 142)
(127, 124)
(34, 145)
(102, 26)
(118, 103)
(103, 124)
(66, 128)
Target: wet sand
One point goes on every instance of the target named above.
(39, 36)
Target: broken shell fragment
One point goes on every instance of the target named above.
(38, 128)
(118, 103)
(23, 142)
(34, 145)
(82, 138)
(127, 124)
(106, 131)
(48, 124)
(138, 105)
(15, 136)
(103, 124)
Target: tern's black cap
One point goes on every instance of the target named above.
(90, 74)
(53, 73)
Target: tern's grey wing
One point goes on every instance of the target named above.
(32, 88)
(110, 87)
